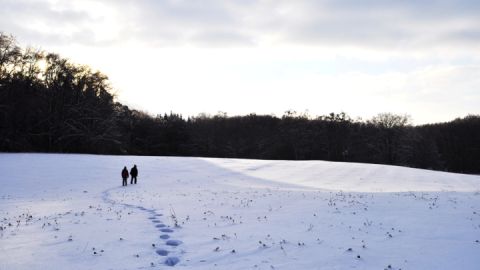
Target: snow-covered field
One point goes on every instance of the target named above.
(71, 212)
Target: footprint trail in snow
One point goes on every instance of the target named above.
(154, 217)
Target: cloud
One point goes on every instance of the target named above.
(418, 57)
(42, 22)
(366, 24)
(382, 24)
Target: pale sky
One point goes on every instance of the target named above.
(420, 58)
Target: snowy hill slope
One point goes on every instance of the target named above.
(71, 212)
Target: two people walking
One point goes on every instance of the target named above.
(133, 175)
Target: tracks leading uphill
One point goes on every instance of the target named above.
(167, 247)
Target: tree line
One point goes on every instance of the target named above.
(49, 104)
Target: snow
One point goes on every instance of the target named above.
(71, 212)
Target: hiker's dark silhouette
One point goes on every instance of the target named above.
(133, 174)
(124, 176)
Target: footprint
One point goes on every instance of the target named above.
(154, 217)
(171, 261)
(174, 243)
(162, 252)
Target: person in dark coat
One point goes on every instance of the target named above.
(124, 176)
(133, 174)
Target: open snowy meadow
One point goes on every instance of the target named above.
(71, 212)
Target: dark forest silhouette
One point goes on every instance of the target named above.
(48, 104)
